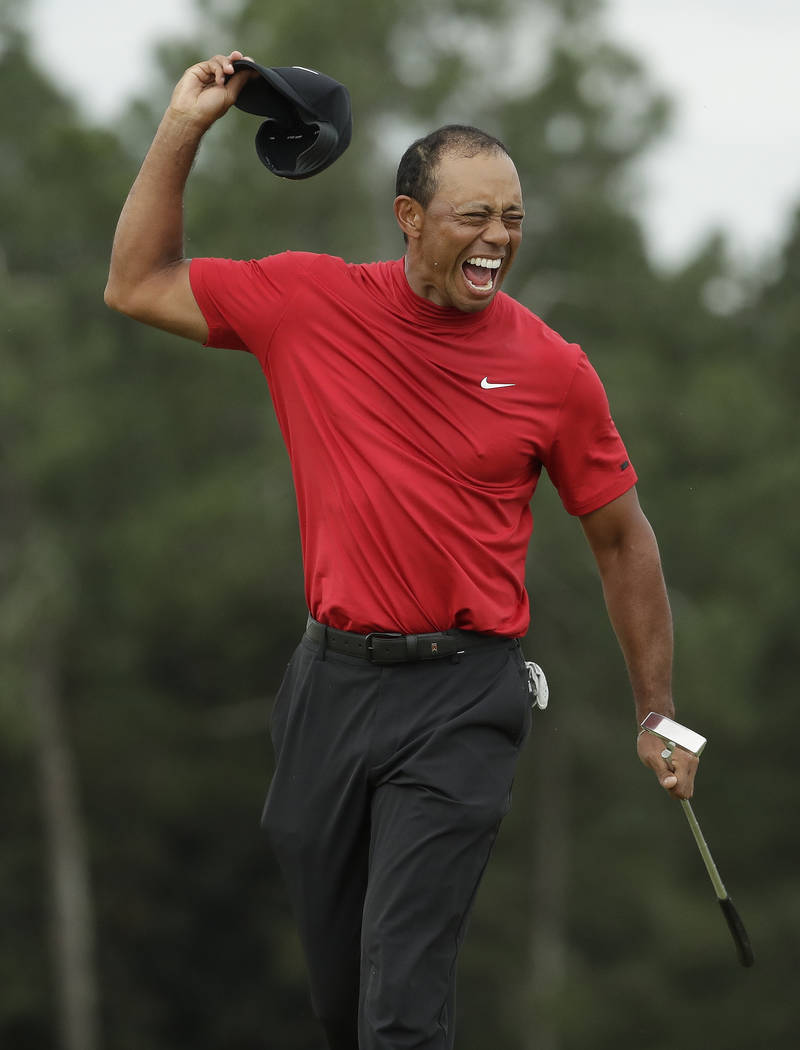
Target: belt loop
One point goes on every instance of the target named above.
(323, 641)
(323, 647)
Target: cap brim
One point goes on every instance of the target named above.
(259, 96)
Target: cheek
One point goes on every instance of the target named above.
(513, 245)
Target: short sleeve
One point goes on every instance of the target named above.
(588, 463)
(244, 301)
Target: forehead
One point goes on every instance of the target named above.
(488, 177)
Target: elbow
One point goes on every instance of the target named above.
(110, 297)
(119, 297)
(113, 297)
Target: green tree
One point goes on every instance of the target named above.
(136, 486)
(150, 562)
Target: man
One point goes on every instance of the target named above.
(418, 404)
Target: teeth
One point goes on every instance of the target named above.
(491, 264)
(480, 287)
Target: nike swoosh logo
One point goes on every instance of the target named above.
(493, 386)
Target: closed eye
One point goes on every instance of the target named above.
(511, 219)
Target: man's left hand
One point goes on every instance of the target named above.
(675, 774)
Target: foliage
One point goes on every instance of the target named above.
(149, 532)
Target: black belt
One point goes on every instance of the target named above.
(381, 647)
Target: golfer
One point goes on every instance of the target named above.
(419, 404)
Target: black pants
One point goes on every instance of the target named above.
(389, 789)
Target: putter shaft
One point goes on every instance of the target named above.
(732, 917)
(705, 852)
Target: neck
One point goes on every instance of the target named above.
(420, 284)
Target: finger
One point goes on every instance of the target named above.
(220, 67)
(226, 76)
(234, 56)
(671, 774)
(224, 67)
(686, 785)
(235, 83)
(680, 784)
(670, 778)
(206, 72)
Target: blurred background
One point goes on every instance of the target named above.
(150, 579)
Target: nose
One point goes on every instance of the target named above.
(496, 233)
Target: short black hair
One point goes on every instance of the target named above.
(416, 173)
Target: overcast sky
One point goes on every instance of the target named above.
(732, 159)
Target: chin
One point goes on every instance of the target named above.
(472, 303)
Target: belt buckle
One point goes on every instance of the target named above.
(370, 647)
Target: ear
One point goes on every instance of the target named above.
(409, 216)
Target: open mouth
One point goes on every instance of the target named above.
(480, 272)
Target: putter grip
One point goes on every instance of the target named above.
(738, 932)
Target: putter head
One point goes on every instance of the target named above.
(674, 733)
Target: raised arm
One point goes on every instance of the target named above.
(149, 277)
(627, 556)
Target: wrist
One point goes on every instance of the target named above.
(183, 126)
(661, 704)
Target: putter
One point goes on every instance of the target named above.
(675, 735)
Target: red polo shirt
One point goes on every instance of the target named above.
(416, 435)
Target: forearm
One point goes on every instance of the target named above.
(149, 236)
(638, 607)
(629, 563)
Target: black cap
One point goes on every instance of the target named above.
(309, 122)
